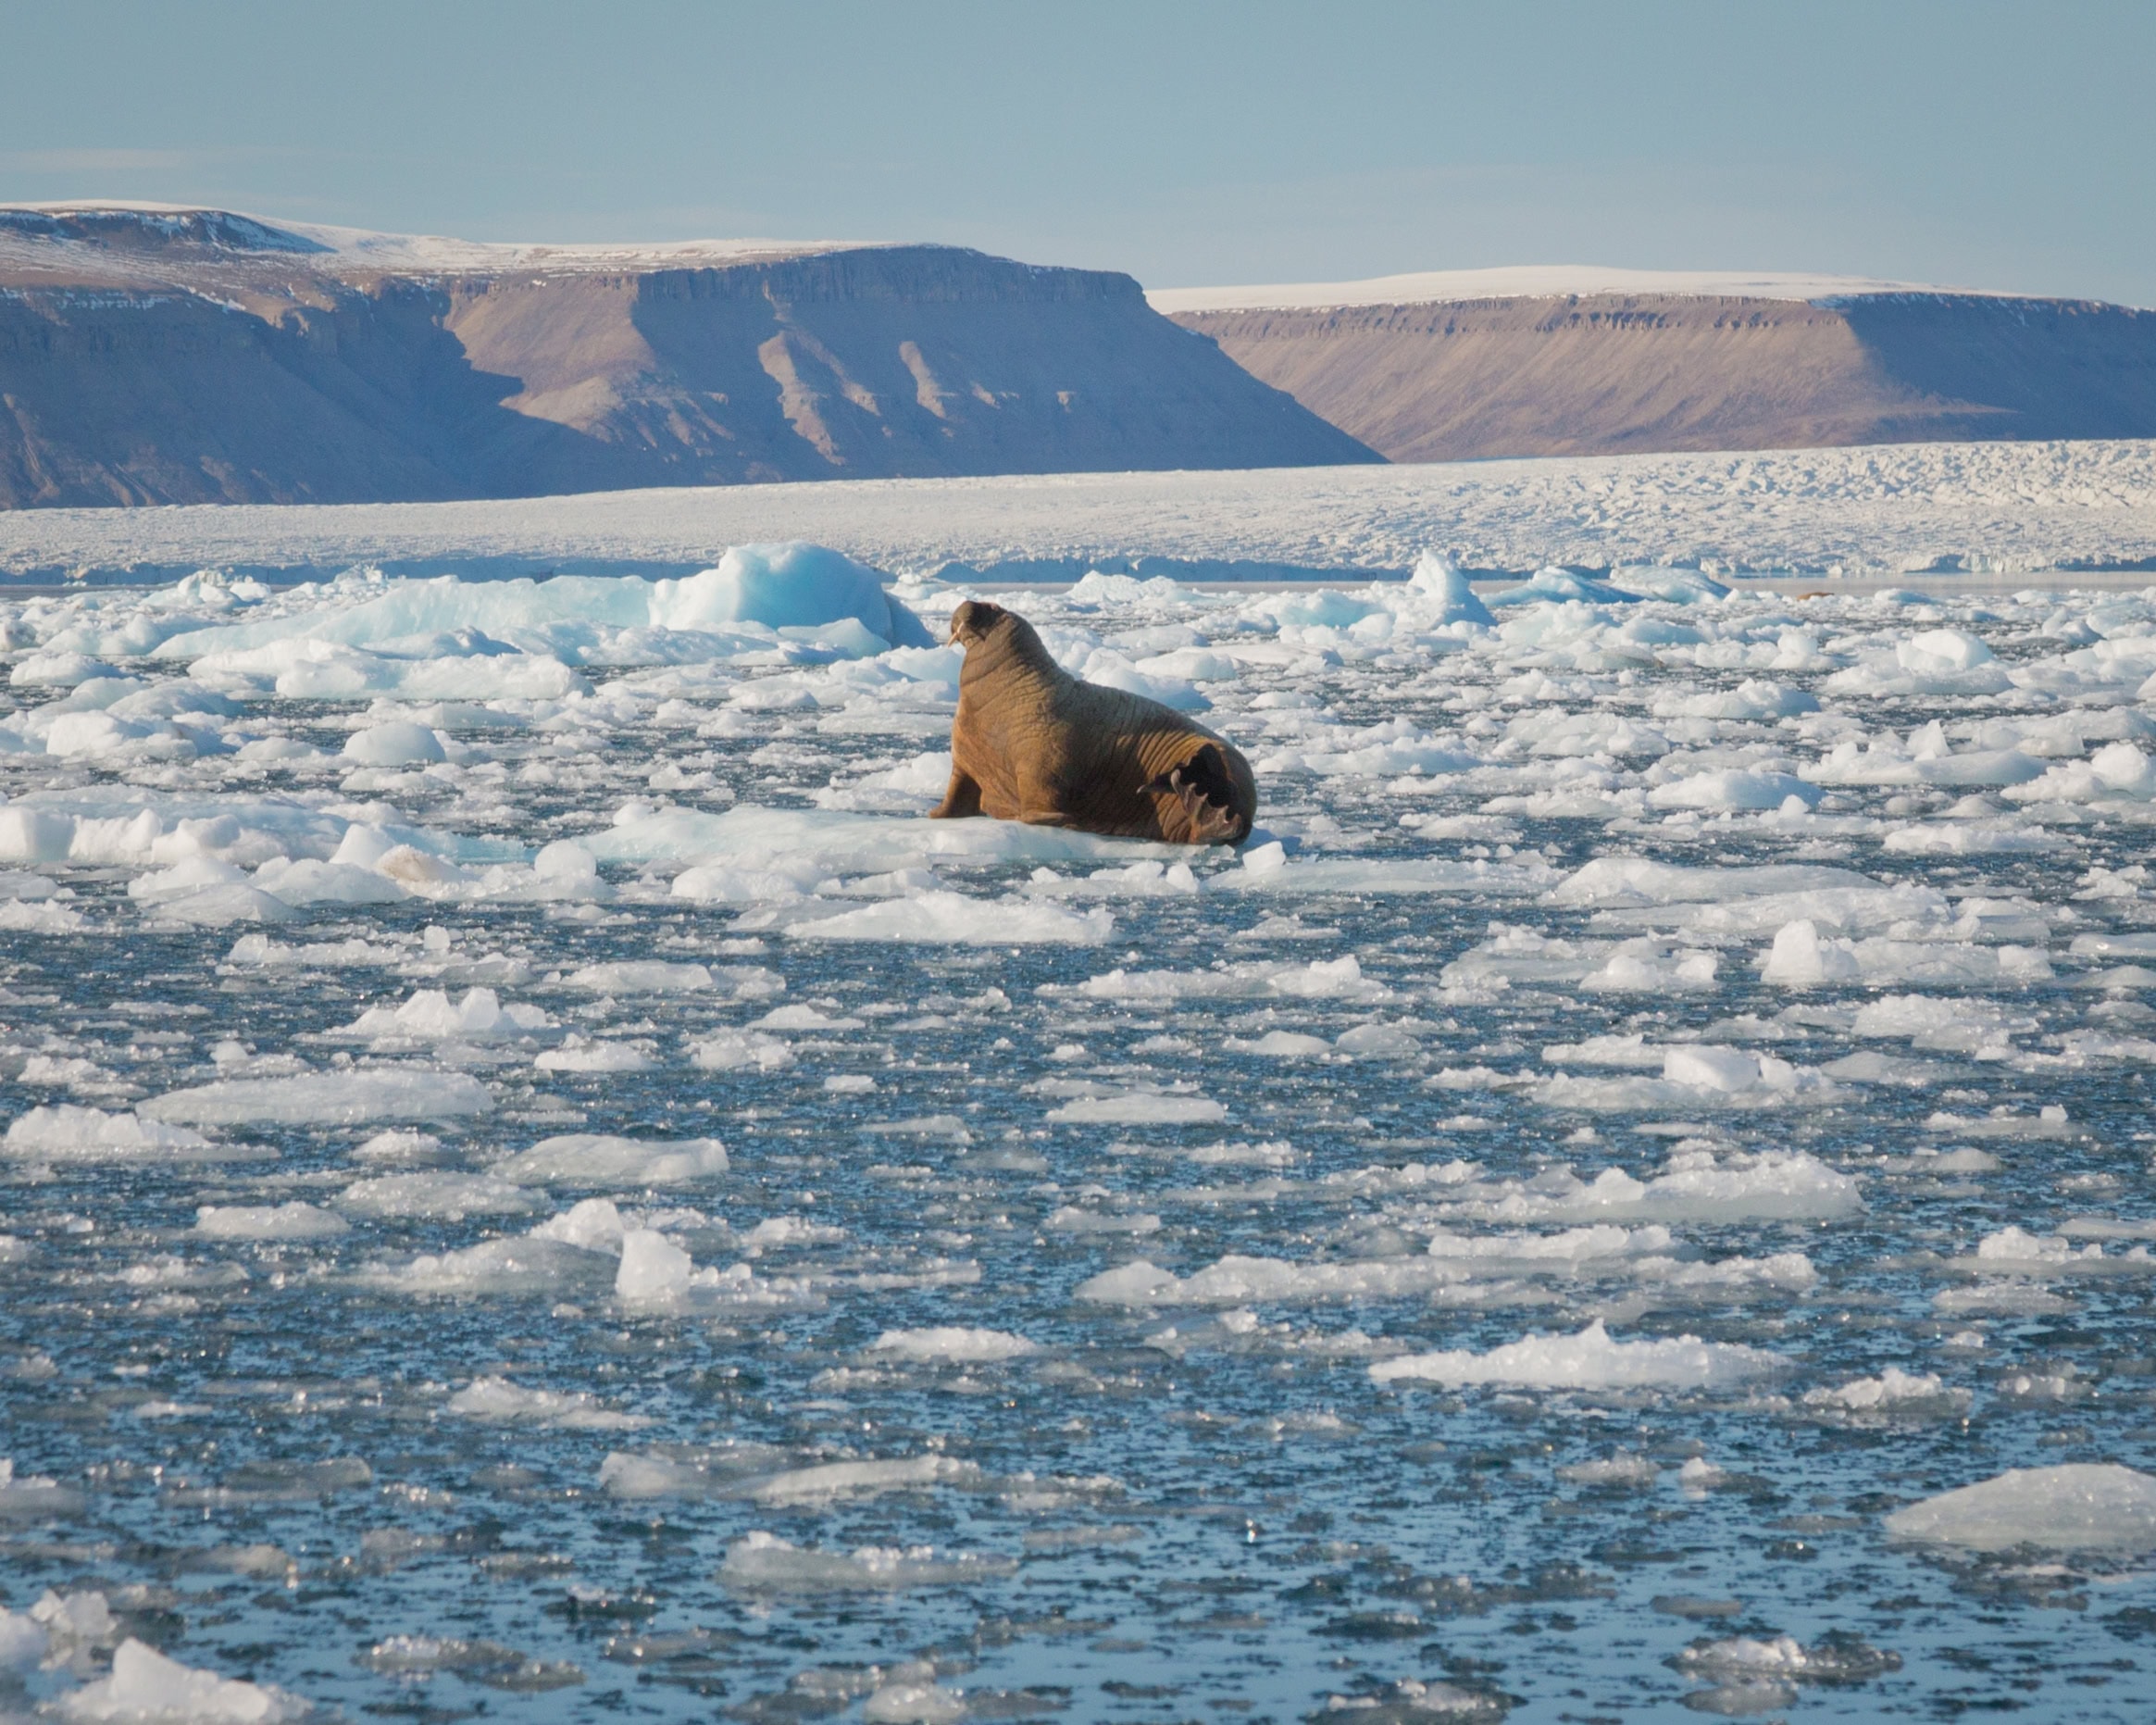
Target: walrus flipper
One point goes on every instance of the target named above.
(1202, 786)
(961, 801)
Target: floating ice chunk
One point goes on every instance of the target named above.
(953, 1344)
(2076, 1506)
(1753, 699)
(1377, 1040)
(326, 1099)
(1620, 880)
(1443, 595)
(450, 1196)
(532, 1265)
(1280, 1045)
(396, 743)
(1516, 878)
(654, 1271)
(59, 670)
(806, 1017)
(787, 586)
(1453, 1264)
(1138, 1107)
(262, 952)
(146, 1688)
(656, 1275)
(2117, 772)
(1695, 1186)
(399, 1146)
(1552, 584)
(307, 882)
(640, 976)
(1936, 661)
(954, 918)
(593, 1224)
(731, 1051)
(37, 1496)
(1324, 979)
(209, 893)
(34, 835)
(913, 1704)
(1706, 1067)
(23, 1640)
(1070, 1218)
(1696, 1075)
(1892, 1391)
(479, 1016)
(1590, 1360)
(1802, 960)
(1410, 1698)
(765, 1563)
(1138, 1282)
(1735, 788)
(580, 1054)
(597, 1159)
(1836, 1660)
(1970, 838)
(63, 1132)
(1633, 1051)
(89, 735)
(1640, 967)
(727, 883)
(1626, 1469)
(830, 1480)
(499, 1402)
(641, 1475)
(422, 1655)
(1144, 879)
(267, 1221)
(1941, 650)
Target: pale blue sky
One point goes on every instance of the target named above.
(1971, 143)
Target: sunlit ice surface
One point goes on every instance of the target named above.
(534, 1182)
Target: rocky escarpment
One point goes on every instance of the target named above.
(1613, 373)
(184, 356)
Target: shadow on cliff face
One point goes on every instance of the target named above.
(2015, 368)
(876, 363)
(142, 399)
(915, 362)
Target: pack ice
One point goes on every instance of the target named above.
(527, 1166)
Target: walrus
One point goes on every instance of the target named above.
(1032, 742)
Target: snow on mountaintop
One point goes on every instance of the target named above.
(75, 236)
(1531, 281)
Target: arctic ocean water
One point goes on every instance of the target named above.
(536, 1185)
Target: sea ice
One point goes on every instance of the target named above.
(1590, 1360)
(499, 1402)
(953, 1344)
(598, 1159)
(762, 1563)
(146, 1686)
(344, 1098)
(2075, 1506)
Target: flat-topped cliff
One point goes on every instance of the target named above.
(182, 356)
(1553, 362)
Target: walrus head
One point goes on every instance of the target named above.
(973, 621)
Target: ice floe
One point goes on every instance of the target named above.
(1589, 1360)
(2075, 1506)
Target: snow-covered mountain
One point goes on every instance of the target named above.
(151, 353)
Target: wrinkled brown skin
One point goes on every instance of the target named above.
(1032, 742)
